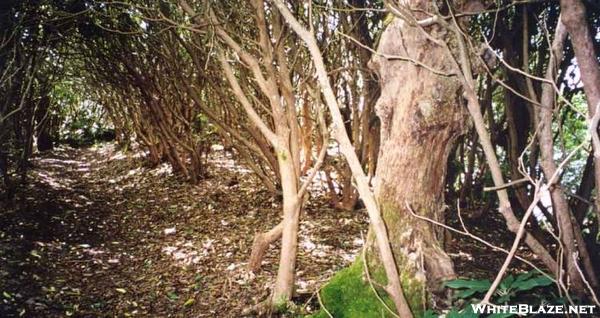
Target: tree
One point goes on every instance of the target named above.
(420, 123)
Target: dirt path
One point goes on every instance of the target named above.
(96, 234)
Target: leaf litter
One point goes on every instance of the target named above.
(97, 233)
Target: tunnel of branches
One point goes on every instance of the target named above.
(449, 149)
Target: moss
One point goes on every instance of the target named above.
(349, 295)
(282, 155)
(281, 304)
(377, 273)
(411, 286)
(389, 213)
(413, 291)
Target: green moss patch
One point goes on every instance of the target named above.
(348, 295)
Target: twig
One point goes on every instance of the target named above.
(396, 57)
(585, 280)
(539, 187)
(322, 305)
(506, 185)
(477, 238)
(513, 250)
(322, 154)
(362, 184)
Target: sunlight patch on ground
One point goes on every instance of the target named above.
(209, 230)
(136, 171)
(310, 245)
(186, 253)
(60, 162)
(55, 183)
(164, 169)
(222, 159)
(118, 156)
(82, 253)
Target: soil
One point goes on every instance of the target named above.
(96, 233)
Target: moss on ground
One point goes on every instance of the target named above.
(348, 295)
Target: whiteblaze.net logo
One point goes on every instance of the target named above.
(524, 309)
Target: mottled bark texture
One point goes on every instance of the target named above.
(421, 117)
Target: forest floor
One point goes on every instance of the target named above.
(95, 233)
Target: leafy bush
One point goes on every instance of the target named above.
(508, 289)
(84, 125)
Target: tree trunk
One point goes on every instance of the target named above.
(574, 17)
(420, 121)
(4, 174)
(393, 287)
(284, 285)
(571, 238)
(42, 119)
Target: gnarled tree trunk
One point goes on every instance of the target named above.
(421, 117)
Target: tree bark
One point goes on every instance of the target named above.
(284, 284)
(393, 287)
(573, 15)
(420, 122)
(260, 245)
(568, 233)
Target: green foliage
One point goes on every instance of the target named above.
(82, 121)
(348, 295)
(508, 289)
(571, 129)
(287, 308)
(467, 288)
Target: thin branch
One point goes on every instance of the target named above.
(539, 188)
(322, 305)
(587, 284)
(506, 185)
(466, 232)
(396, 57)
(366, 268)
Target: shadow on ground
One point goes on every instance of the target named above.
(95, 233)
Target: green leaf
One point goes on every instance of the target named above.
(465, 313)
(466, 293)
(524, 276)
(504, 298)
(507, 281)
(172, 296)
(453, 314)
(480, 285)
(189, 302)
(430, 314)
(532, 283)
